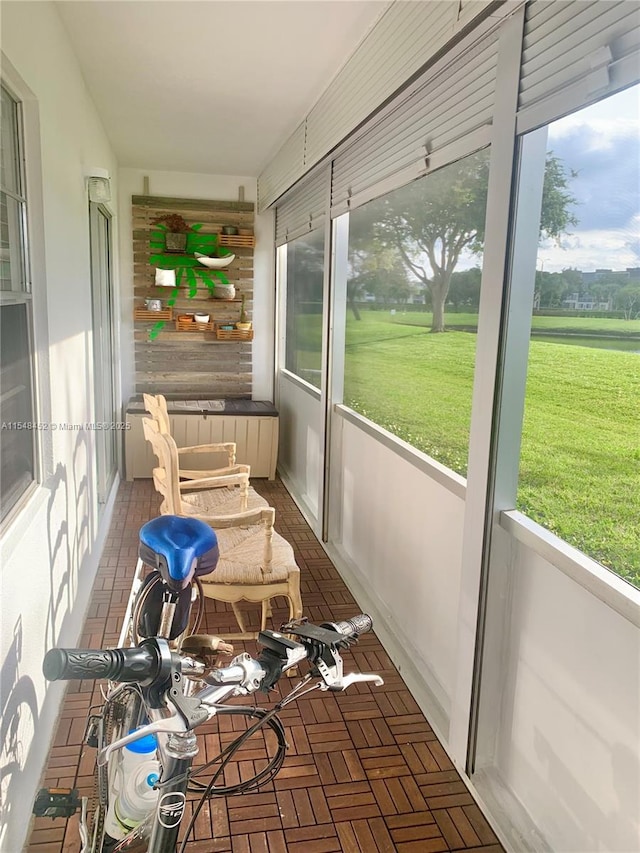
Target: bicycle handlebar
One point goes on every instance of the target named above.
(360, 624)
(151, 661)
(142, 664)
(153, 664)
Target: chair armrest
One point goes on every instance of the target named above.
(193, 478)
(228, 447)
(260, 515)
(187, 474)
(239, 478)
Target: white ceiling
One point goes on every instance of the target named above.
(213, 86)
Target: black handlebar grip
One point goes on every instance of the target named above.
(360, 624)
(124, 665)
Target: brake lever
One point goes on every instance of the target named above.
(172, 724)
(354, 678)
(334, 679)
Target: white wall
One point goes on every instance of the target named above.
(394, 532)
(569, 743)
(49, 554)
(400, 543)
(563, 773)
(215, 187)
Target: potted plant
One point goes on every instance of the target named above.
(244, 324)
(176, 233)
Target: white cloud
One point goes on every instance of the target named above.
(603, 122)
(588, 251)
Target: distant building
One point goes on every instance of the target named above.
(621, 276)
(586, 302)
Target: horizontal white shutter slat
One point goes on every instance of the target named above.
(284, 170)
(304, 208)
(565, 49)
(453, 104)
(409, 35)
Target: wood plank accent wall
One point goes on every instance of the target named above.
(192, 364)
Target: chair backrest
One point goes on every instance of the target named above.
(156, 405)
(165, 477)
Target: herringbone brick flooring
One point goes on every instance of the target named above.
(364, 772)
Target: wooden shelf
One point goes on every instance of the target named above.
(192, 326)
(234, 334)
(188, 358)
(144, 315)
(240, 241)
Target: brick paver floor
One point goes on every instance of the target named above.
(364, 771)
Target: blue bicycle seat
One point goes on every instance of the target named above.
(178, 548)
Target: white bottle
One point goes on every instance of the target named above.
(133, 796)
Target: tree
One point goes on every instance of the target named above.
(551, 288)
(433, 221)
(464, 290)
(627, 299)
(377, 270)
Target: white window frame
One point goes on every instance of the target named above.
(17, 518)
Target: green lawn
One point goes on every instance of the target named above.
(587, 325)
(571, 325)
(580, 464)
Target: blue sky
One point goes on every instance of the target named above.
(602, 144)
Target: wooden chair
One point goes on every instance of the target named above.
(156, 405)
(198, 479)
(227, 490)
(256, 563)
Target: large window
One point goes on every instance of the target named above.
(305, 275)
(17, 462)
(580, 456)
(413, 292)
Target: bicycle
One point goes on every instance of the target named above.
(167, 693)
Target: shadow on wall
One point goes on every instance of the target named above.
(66, 552)
(19, 718)
(19, 708)
(615, 832)
(59, 556)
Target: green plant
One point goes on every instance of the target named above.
(173, 223)
(243, 313)
(189, 271)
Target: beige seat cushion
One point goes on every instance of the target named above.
(242, 557)
(224, 501)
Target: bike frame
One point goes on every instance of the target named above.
(159, 830)
(174, 712)
(171, 805)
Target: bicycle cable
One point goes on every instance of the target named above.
(268, 717)
(264, 775)
(228, 753)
